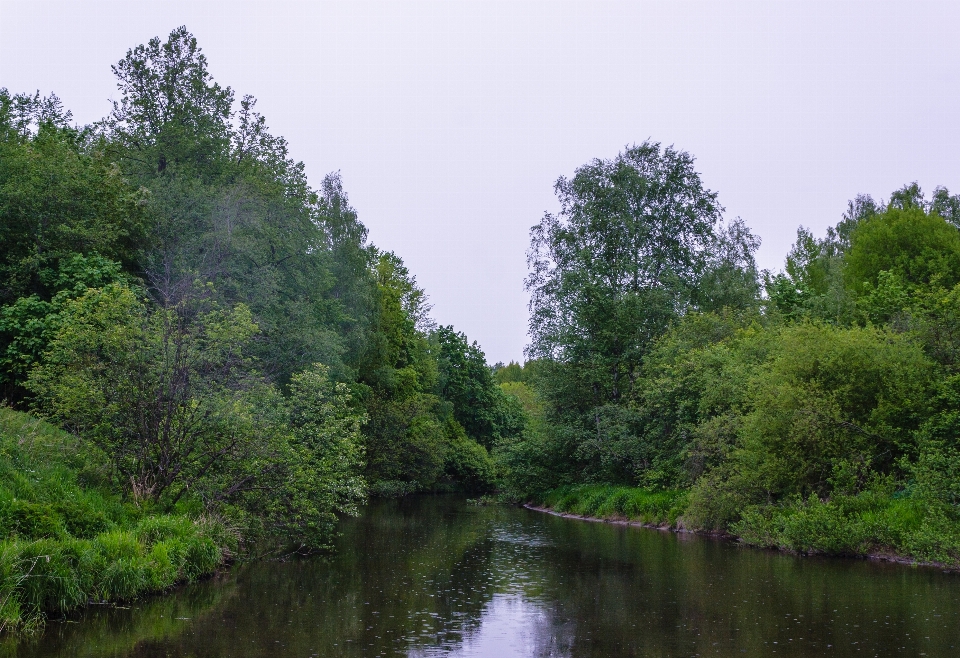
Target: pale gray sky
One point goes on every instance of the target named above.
(450, 120)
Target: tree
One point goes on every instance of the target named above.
(29, 324)
(229, 207)
(946, 205)
(919, 247)
(511, 372)
(166, 393)
(58, 197)
(623, 258)
(464, 380)
(186, 217)
(322, 475)
(170, 112)
(829, 412)
(406, 437)
(812, 283)
(731, 279)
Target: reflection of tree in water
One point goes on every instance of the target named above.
(424, 575)
(641, 593)
(107, 632)
(432, 576)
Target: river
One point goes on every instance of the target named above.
(435, 576)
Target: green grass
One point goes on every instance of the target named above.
(865, 524)
(604, 501)
(67, 540)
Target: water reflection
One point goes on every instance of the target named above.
(511, 626)
(436, 577)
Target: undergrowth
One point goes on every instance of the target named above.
(865, 524)
(606, 501)
(67, 540)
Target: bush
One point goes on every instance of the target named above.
(870, 522)
(66, 544)
(830, 411)
(468, 463)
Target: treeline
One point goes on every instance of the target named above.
(175, 293)
(814, 409)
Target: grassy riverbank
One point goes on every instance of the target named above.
(871, 523)
(68, 540)
(609, 502)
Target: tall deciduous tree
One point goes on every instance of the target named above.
(58, 198)
(170, 111)
(634, 238)
(465, 380)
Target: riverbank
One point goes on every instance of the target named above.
(69, 541)
(628, 505)
(872, 525)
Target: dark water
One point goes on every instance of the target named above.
(437, 577)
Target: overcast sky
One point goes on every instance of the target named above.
(450, 120)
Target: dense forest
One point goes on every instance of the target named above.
(669, 381)
(203, 357)
(232, 363)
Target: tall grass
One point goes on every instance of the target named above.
(604, 501)
(66, 540)
(869, 523)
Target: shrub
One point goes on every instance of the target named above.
(870, 522)
(66, 544)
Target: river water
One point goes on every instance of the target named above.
(434, 576)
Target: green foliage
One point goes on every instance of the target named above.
(638, 243)
(170, 283)
(468, 464)
(811, 284)
(170, 110)
(405, 438)
(823, 420)
(537, 461)
(323, 473)
(917, 247)
(166, 395)
(179, 409)
(609, 273)
(68, 539)
(828, 411)
(67, 217)
(609, 502)
(693, 388)
(29, 324)
(405, 441)
(872, 522)
(512, 372)
(59, 196)
(169, 273)
(936, 472)
(527, 396)
(429, 395)
(464, 380)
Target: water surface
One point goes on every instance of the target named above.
(434, 576)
